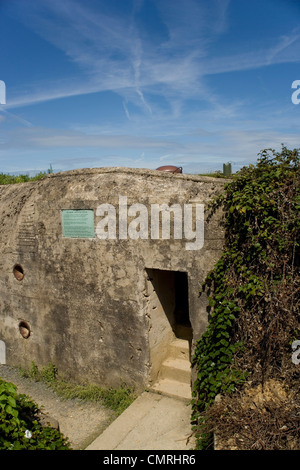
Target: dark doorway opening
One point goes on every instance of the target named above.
(171, 288)
(183, 327)
(170, 330)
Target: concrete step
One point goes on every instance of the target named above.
(176, 369)
(173, 389)
(175, 373)
(179, 348)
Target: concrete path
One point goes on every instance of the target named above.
(151, 422)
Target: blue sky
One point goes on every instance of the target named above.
(145, 83)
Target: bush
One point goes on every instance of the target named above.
(19, 425)
(12, 179)
(253, 289)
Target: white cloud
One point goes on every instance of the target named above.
(113, 54)
(44, 138)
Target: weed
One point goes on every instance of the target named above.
(115, 399)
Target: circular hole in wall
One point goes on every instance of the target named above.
(18, 272)
(24, 329)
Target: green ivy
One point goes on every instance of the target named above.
(19, 426)
(261, 206)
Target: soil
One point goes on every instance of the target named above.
(80, 421)
(259, 418)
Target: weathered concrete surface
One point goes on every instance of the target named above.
(92, 306)
(152, 422)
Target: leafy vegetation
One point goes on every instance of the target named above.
(23, 178)
(20, 428)
(253, 289)
(11, 179)
(19, 425)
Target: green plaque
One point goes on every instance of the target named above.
(78, 223)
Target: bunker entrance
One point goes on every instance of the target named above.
(183, 327)
(168, 312)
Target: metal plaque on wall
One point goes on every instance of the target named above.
(78, 223)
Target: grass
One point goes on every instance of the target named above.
(115, 399)
(216, 174)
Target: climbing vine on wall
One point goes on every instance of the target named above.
(253, 290)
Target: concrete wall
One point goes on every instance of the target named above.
(90, 305)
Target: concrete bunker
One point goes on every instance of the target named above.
(76, 253)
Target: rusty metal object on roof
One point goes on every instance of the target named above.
(170, 169)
